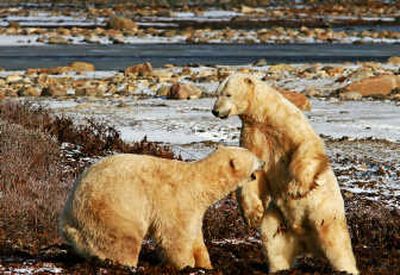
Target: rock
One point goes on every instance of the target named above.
(260, 62)
(84, 87)
(375, 86)
(53, 70)
(169, 33)
(184, 91)
(313, 92)
(79, 66)
(333, 71)
(164, 90)
(14, 25)
(350, 96)
(395, 60)
(118, 39)
(162, 75)
(92, 39)
(9, 92)
(64, 31)
(121, 23)
(139, 69)
(279, 68)
(250, 10)
(264, 37)
(13, 78)
(55, 89)
(30, 91)
(57, 39)
(298, 99)
(360, 74)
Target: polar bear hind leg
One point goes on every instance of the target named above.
(280, 244)
(335, 243)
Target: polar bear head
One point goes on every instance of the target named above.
(241, 162)
(234, 95)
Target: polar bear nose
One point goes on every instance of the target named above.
(215, 113)
(253, 176)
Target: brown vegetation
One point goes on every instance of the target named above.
(35, 175)
(96, 139)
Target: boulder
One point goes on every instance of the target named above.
(395, 60)
(57, 39)
(183, 91)
(350, 96)
(30, 91)
(55, 89)
(121, 23)
(92, 39)
(79, 66)
(261, 62)
(47, 71)
(298, 99)
(13, 78)
(250, 10)
(139, 69)
(162, 75)
(280, 68)
(164, 90)
(14, 25)
(379, 86)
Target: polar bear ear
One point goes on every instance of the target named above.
(249, 81)
(220, 146)
(233, 164)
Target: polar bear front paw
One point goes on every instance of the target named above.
(254, 215)
(297, 190)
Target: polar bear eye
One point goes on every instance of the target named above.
(228, 95)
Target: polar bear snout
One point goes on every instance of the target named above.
(222, 108)
(215, 113)
(258, 165)
(261, 164)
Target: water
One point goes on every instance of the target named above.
(115, 57)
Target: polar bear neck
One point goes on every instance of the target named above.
(269, 109)
(218, 181)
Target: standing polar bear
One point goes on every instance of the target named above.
(122, 197)
(296, 195)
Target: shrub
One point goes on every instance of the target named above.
(33, 188)
(36, 175)
(95, 139)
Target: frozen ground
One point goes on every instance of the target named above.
(185, 122)
(47, 19)
(363, 138)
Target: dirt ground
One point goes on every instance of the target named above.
(236, 249)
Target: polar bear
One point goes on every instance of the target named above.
(296, 196)
(122, 197)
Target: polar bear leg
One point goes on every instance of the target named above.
(280, 244)
(125, 250)
(250, 202)
(178, 246)
(200, 253)
(336, 245)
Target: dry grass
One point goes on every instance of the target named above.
(33, 188)
(95, 139)
(35, 175)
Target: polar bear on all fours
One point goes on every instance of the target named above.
(122, 197)
(296, 196)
